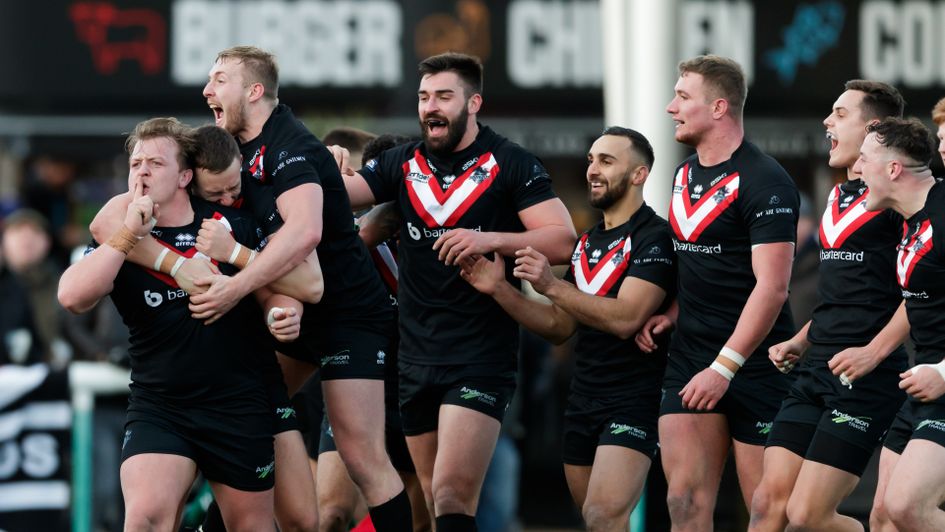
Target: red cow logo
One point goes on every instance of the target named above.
(94, 20)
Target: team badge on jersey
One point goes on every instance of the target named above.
(912, 249)
(836, 227)
(599, 279)
(442, 209)
(688, 220)
(256, 164)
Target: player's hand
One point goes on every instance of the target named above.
(286, 324)
(214, 240)
(190, 271)
(704, 390)
(223, 293)
(922, 382)
(785, 355)
(534, 267)
(655, 326)
(457, 244)
(141, 214)
(342, 159)
(483, 274)
(854, 362)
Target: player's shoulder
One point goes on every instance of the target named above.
(760, 170)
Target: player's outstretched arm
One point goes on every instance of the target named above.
(488, 276)
(548, 229)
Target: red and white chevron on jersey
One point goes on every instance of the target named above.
(687, 220)
(911, 251)
(836, 227)
(444, 209)
(597, 281)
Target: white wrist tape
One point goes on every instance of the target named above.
(722, 370)
(271, 317)
(236, 252)
(177, 265)
(940, 368)
(732, 355)
(160, 258)
(252, 255)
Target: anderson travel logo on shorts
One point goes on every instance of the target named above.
(343, 358)
(482, 397)
(861, 424)
(617, 428)
(935, 424)
(764, 427)
(266, 470)
(285, 412)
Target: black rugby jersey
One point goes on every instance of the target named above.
(717, 214)
(857, 286)
(176, 356)
(920, 269)
(443, 319)
(641, 247)
(286, 155)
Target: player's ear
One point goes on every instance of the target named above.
(474, 103)
(184, 178)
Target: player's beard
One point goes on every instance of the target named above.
(235, 120)
(455, 130)
(612, 195)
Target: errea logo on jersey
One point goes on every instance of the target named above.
(415, 232)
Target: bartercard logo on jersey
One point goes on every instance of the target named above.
(861, 424)
(906, 294)
(836, 254)
(153, 299)
(636, 432)
(696, 248)
(417, 233)
(470, 394)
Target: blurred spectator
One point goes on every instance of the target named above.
(48, 190)
(19, 342)
(803, 297)
(26, 250)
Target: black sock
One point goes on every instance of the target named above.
(213, 521)
(394, 515)
(456, 523)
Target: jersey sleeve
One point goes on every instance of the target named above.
(770, 212)
(654, 261)
(385, 173)
(529, 180)
(295, 165)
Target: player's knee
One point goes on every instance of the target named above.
(879, 516)
(769, 498)
(302, 520)
(904, 513)
(453, 498)
(801, 514)
(604, 515)
(334, 518)
(149, 514)
(683, 504)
